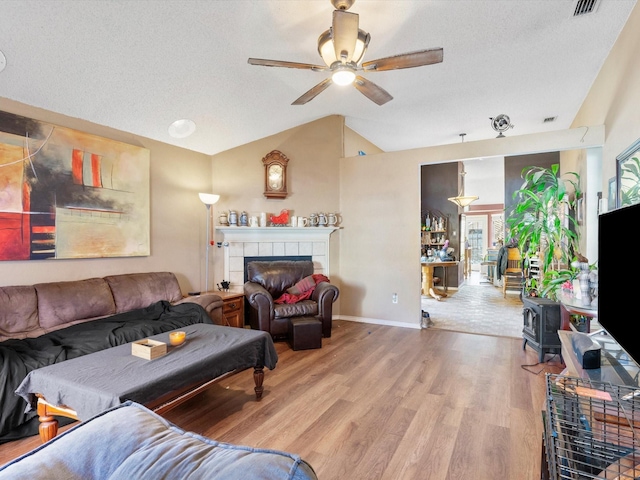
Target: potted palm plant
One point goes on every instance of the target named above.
(543, 226)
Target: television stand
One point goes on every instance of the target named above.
(616, 367)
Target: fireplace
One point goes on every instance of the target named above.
(281, 243)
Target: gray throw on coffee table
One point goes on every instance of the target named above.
(96, 382)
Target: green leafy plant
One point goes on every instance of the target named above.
(553, 281)
(542, 225)
(630, 182)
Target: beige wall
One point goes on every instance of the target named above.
(177, 215)
(381, 192)
(314, 151)
(380, 197)
(376, 253)
(614, 97)
(354, 143)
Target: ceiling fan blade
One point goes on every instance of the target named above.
(406, 60)
(278, 63)
(344, 34)
(315, 91)
(372, 91)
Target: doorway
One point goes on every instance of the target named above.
(477, 238)
(474, 305)
(477, 316)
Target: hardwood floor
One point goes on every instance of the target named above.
(378, 402)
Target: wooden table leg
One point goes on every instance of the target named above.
(48, 428)
(427, 277)
(258, 377)
(427, 283)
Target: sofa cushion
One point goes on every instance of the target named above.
(66, 302)
(139, 290)
(18, 312)
(277, 276)
(303, 308)
(132, 442)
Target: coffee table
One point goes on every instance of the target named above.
(85, 386)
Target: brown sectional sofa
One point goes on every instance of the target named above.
(49, 323)
(33, 310)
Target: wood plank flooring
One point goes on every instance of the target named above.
(378, 402)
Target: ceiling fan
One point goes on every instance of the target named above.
(342, 48)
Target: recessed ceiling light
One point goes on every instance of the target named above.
(3, 61)
(182, 128)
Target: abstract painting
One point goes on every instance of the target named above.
(67, 194)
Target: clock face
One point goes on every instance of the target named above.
(275, 177)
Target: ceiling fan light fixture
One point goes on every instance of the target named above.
(327, 50)
(343, 75)
(342, 48)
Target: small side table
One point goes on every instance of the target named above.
(233, 308)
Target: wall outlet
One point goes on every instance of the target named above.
(394, 298)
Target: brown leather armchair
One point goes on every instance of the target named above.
(268, 280)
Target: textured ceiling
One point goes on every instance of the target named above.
(139, 65)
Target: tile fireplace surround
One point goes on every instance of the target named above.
(240, 242)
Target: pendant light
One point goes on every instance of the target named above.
(461, 199)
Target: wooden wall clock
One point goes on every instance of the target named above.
(275, 174)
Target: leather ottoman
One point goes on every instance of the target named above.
(305, 333)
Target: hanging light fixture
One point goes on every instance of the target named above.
(463, 200)
(343, 64)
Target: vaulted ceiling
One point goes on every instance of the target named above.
(139, 65)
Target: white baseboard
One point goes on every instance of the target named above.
(376, 321)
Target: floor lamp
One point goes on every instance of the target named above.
(208, 199)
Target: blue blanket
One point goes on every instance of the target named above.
(131, 442)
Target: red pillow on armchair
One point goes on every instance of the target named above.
(302, 289)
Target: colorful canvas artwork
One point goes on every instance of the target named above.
(68, 194)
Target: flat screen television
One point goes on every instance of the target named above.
(618, 273)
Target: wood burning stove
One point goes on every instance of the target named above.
(541, 325)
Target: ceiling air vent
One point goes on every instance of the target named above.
(584, 7)
(549, 119)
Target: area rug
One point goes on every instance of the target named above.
(480, 309)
